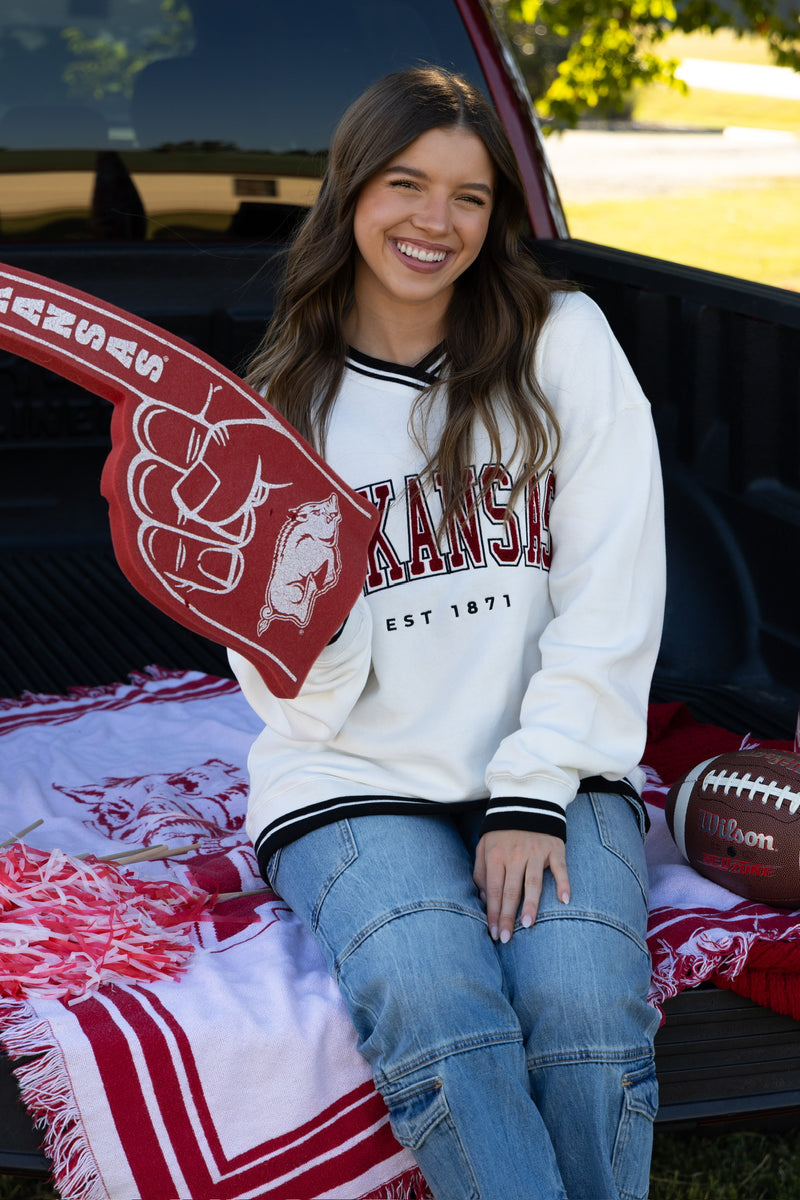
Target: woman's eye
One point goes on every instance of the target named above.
(478, 201)
(402, 183)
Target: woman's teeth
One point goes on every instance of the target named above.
(428, 256)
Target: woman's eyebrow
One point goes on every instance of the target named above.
(416, 173)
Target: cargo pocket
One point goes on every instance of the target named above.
(633, 1146)
(422, 1122)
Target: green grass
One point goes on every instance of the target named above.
(723, 46)
(662, 105)
(739, 1166)
(749, 232)
(13, 1188)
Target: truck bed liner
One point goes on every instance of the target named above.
(71, 618)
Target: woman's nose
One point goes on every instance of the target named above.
(433, 213)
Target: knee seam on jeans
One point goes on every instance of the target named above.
(593, 1056)
(385, 1080)
(406, 910)
(598, 919)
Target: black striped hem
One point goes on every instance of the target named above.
(295, 824)
(543, 816)
(618, 787)
(538, 816)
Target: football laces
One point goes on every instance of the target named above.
(752, 788)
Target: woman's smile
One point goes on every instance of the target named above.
(423, 257)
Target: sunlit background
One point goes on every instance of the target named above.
(710, 178)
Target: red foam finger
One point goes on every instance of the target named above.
(221, 514)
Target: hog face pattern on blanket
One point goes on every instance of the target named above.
(220, 513)
(243, 1079)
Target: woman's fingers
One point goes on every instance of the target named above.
(558, 865)
(509, 870)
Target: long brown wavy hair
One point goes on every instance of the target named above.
(498, 307)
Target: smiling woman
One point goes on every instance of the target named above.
(486, 698)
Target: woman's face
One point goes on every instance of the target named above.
(421, 221)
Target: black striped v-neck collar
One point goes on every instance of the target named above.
(423, 373)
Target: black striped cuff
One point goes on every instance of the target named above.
(518, 812)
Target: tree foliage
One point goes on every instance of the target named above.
(586, 56)
(105, 65)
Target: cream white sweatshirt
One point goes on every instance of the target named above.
(502, 668)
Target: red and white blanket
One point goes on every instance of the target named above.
(241, 1079)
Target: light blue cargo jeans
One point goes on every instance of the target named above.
(512, 1072)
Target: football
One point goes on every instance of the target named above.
(736, 819)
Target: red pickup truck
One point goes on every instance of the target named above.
(158, 155)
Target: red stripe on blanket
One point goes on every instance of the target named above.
(349, 1116)
(126, 1101)
(156, 686)
(341, 1143)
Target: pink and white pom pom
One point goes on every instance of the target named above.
(68, 925)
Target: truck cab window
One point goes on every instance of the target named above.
(166, 120)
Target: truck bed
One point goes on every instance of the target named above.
(720, 361)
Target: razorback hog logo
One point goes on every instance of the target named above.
(92, 334)
(306, 563)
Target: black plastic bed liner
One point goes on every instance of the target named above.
(70, 618)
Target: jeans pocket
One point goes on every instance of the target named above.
(634, 1141)
(271, 873)
(620, 832)
(421, 1121)
(303, 871)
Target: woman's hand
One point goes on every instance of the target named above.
(509, 867)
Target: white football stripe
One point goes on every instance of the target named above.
(682, 802)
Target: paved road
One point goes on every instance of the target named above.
(597, 165)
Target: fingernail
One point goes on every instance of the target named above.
(564, 897)
(527, 921)
(505, 936)
(493, 932)
(483, 897)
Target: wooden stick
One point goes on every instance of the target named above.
(141, 854)
(125, 856)
(238, 895)
(157, 852)
(16, 836)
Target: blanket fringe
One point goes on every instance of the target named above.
(409, 1186)
(46, 1092)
